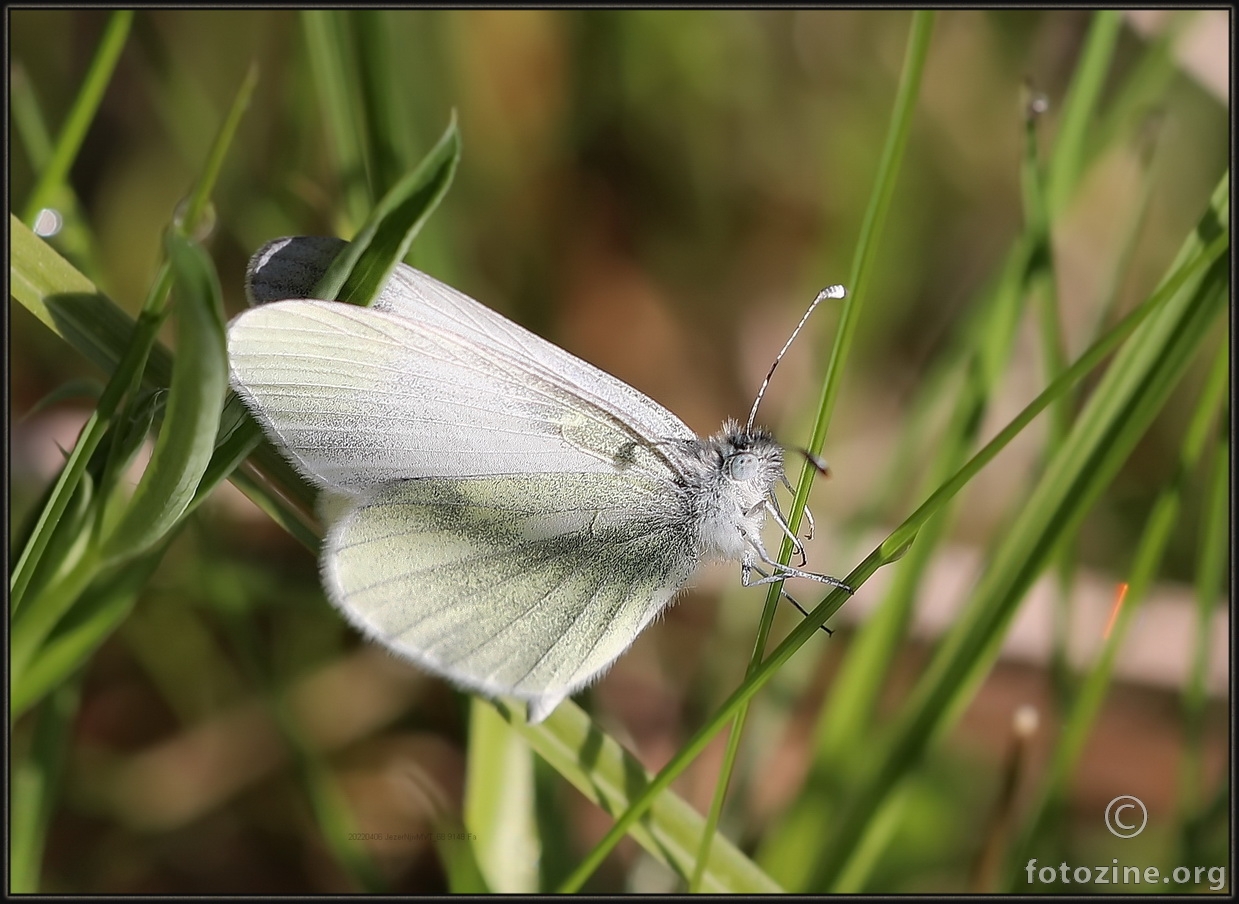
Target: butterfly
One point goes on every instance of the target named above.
(498, 511)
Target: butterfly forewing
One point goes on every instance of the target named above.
(359, 397)
(290, 267)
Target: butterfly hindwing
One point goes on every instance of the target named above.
(529, 585)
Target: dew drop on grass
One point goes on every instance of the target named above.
(48, 222)
(205, 225)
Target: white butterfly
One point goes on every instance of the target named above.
(498, 511)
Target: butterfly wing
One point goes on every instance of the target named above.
(357, 397)
(289, 268)
(528, 585)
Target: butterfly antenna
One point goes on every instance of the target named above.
(828, 292)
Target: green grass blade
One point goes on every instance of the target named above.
(866, 254)
(200, 197)
(187, 437)
(35, 269)
(86, 388)
(880, 830)
(723, 781)
(36, 780)
(1137, 91)
(68, 540)
(1041, 278)
(458, 856)
(80, 633)
(612, 778)
(1211, 573)
(332, 66)
(238, 436)
(81, 114)
(1080, 108)
(853, 697)
(1043, 286)
(499, 802)
(275, 505)
(71, 306)
(75, 235)
(384, 115)
(34, 622)
(28, 121)
(143, 407)
(871, 229)
(359, 272)
(40, 278)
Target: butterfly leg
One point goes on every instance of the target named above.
(809, 528)
(772, 506)
(780, 571)
(747, 568)
(808, 514)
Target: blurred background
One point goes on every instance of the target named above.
(661, 193)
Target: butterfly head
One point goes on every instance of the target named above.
(734, 478)
(748, 458)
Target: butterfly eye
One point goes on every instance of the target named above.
(741, 467)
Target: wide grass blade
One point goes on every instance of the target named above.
(499, 802)
(358, 274)
(187, 437)
(330, 51)
(615, 780)
(35, 787)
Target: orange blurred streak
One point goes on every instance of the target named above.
(1114, 612)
